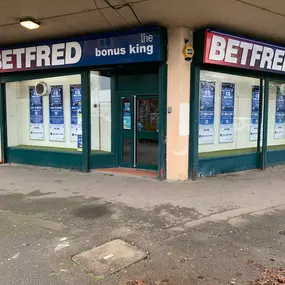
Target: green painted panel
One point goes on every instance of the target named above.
(138, 83)
(103, 161)
(212, 166)
(45, 158)
(276, 157)
(230, 152)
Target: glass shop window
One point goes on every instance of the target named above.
(100, 89)
(276, 116)
(45, 113)
(228, 114)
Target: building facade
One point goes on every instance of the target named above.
(128, 98)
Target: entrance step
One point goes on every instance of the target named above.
(131, 171)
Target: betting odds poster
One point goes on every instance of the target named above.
(127, 116)
(279, 132)
(254, 113)
(227, 113)
(75, 104)
(56, 114)
(36, 115)
(206, 112)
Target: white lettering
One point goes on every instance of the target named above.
(232, 51)
(43, 54)
(149, 49)
(256, 54)
(246, 47)
(217, 51)
(97, 52)
(73, 53)
(110, 52)
(267, 57)
(19, 52)
(30, 56)
(58, 54)
(278, 58)
(7, 59)
(132, 49)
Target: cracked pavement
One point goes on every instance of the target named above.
(208, 232)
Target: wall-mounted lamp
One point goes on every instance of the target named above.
(29, 24)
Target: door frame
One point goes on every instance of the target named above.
(133, 133)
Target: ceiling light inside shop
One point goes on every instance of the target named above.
(29, 24)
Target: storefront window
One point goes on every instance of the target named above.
(100, 88)
(228, 114)
(49, 121)
(276, 116)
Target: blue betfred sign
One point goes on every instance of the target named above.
(144, 46)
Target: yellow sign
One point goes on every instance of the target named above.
(188, 52)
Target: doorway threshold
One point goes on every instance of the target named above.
(130, 171)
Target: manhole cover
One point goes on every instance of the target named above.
(109, 257)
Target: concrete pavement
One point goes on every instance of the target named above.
(204, 232)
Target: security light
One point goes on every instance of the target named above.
(29, 24)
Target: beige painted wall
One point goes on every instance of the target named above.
(178, 96)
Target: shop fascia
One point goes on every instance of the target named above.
(224, 49)
(71, 53)
(57, 54)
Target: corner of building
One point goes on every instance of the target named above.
(178, 99)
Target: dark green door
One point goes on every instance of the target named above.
(139, 118)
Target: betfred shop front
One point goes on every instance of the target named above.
(61, 101)
(237, 104)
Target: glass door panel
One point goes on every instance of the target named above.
(147, 131)
(139, 117)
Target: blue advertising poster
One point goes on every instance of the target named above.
(254, 113)
(206, 112)
(79, 128)
(279, 132)
(75, 104)
(227, 113)
(56, 114)
(36, 115)
(127, 116)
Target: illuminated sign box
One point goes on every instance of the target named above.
(228, 50)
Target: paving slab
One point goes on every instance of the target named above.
(109, 258)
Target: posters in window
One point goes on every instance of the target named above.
(75, 104)
(127, 116)
(227, 113)
(206, 112)
(79, 128)
(254, 113)
(279, 131)
(36, 115)
(56, 114)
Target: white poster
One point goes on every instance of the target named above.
(36, 131)
(184, 119)
(56, 133)
(206, 134)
